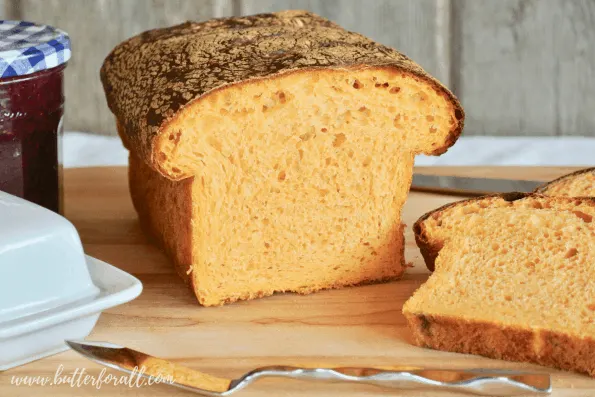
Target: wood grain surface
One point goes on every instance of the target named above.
(95, 28)
(8, 10)
(353, 326)
(520, 67)
(4, 10)
(525, 67)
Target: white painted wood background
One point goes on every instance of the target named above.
(520, 67)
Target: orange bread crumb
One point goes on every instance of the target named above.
(577, 184)
(512, 280)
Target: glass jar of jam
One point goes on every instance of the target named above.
(32, 62)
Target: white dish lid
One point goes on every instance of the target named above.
(42, 263)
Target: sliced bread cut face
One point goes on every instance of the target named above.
(293, 162)
(230, 247)
(578, 184)
(512, 281)
(433, 228)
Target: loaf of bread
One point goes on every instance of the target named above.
(513, 280)
(274, 152)
(578, 184)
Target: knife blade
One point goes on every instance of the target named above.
(492, 382)
(469, 186)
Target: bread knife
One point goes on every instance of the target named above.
(471, 186)
(488, 382)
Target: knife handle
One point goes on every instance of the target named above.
(481, 382)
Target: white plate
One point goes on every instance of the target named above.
(32, 337)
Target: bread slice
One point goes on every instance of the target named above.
(513, 280)
(577, 184)
(274, 152)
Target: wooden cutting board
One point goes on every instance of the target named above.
(354, 326)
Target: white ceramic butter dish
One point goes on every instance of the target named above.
(49, 289)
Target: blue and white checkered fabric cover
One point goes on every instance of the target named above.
(27, 48)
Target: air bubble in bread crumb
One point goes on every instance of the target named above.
(570, 253)
(585, 217)
(420, 96)
(282, 97)
(339, 140)
(307, 136)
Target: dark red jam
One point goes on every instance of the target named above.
(31, 109)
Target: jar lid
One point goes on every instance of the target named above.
(26, 48)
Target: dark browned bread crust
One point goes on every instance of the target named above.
(544, 188)
(429, 249)
(149, 78)
(151, 193)
(503, 343)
